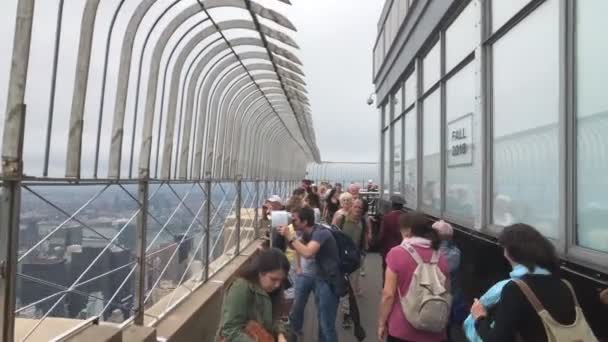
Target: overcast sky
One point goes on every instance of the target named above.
(335, 37)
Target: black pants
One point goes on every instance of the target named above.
(390, 338)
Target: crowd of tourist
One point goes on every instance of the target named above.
(320, 251)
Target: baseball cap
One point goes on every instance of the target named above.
(275, 198)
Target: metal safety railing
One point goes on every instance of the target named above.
(126, 252)
(344, 172)
(141, 173)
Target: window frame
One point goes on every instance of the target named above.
(574, 251)
(489, 38)
(566, 242)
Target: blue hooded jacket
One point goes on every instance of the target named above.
(492, 297)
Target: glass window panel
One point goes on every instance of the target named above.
(431, 66)
(386, 162)
(503, 10)
(398, 98)
(411, 155)
(526, 98)
(462, 36)
(410, 89)
(592, 115)
(397, 151)
(386, 41)
(395, 18)
(402, 10)
(461, 182)
(431, 162)
(385, 115)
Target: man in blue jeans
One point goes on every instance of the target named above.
(318, 243)
(304, 285)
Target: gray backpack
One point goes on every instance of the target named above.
(426, 305)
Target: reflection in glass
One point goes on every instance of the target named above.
(431, 67)
(431, 163)
(462, 36)
(386, 161)
(402, 10)
(397, 151)
(385, 115)
(411, 168)
(410, 89)
(503, 10)
(526, 98)
(592, 125)
(461, 182)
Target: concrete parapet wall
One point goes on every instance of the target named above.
(198, 317)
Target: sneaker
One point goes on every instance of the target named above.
(362, 273)
(347, 322)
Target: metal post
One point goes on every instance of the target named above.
(142, 223)
(12, 167)
(256, 225)
(239, 183)
(208, 225)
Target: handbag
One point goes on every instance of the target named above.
(256, 331)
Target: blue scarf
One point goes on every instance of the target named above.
(492, 296)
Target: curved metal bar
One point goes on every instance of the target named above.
(267, 134)
(289, 65)
(240, 96)
(243, 121)
(231, 99)
(151, 79)
(207, 77)
(124, 69)
(243, 101)
(213, 110)
(291, 75)
(49, 124)
(264, 110)
(228, 118)
(162, 98)
(246, 143)
(267, 77)
(103, 87)
(212, 78)
(245, 160)
(199, 37)
(197, 71)
(232, 24)
(153, 76)
(248, 103)
(74, 150)
(258, 26)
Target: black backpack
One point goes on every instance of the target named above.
(349, 253)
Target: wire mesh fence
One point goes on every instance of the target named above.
(79, 245)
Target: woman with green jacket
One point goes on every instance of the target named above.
(256, 295)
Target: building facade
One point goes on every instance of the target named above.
(494, 112)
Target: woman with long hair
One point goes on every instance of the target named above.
(332, 204)
(252, 305)
(420, 241)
